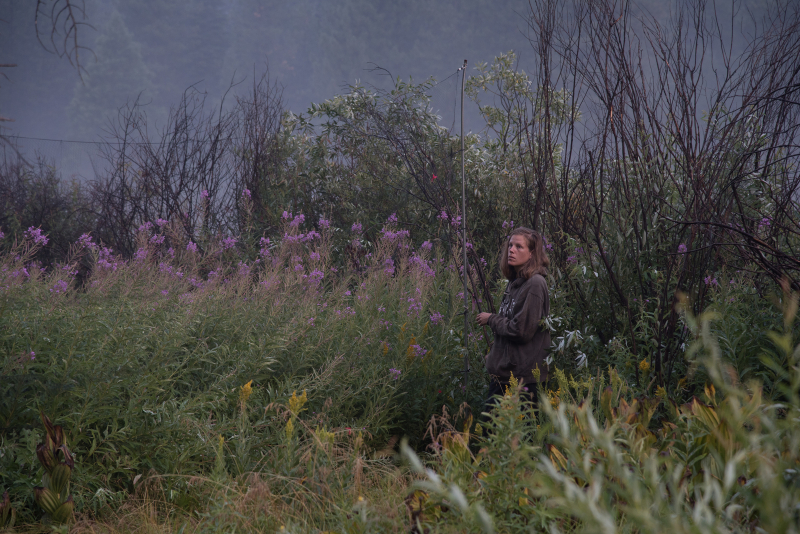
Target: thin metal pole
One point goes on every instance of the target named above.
(464, 233)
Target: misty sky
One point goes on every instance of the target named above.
(314, 49)
(155, 49)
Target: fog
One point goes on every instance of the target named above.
(153, 50)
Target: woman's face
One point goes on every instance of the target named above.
(518, 251)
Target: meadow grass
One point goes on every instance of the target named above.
(265, 389)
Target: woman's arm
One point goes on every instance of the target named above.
(523, 325)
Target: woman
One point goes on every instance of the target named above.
(520, 341)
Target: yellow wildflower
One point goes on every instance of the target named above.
(644, 365)
(296, 403)
(661, 392)
(536, 373)
(513, 383)
(555, 397)
(385, 348)
(410, 350)
(245, 391)
(289, 428)
(324, 436)
(572, 383)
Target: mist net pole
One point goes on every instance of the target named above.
(464, 231)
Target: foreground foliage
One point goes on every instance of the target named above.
(728, 462)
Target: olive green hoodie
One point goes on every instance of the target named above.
(520, 341)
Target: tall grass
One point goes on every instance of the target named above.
(259, 386)
(143, 361)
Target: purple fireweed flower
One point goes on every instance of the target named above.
(60, 287)
(347, 293)
(2, 235)
(316, 276)
(161, 222)
(33, 355)
(265, 242)
(204, 193)
(682, 248)
(356, 228)
(710, 281)
(392, 219)
(394, 236)
(146, 227)
(85, 241)
(395, 373)
(508, 224)
(293, 238)
(314, 256)
(414, 307)
(426, 245)
(311, 321)
(442, 216)
(191, 246)
(157, 239)
(246, 193)
(297, 221)
(286, 215)
(388, 266)
(140, 254)
(422, 265)
(229, 242)
(165, 292)
(298, 267)
(36, 234)
(763, 223)
(104, 259)
(313, 234)
(171, 252)
(436, 318)
(418, 351)
(324, 223)
(455, 221)
(572, 259)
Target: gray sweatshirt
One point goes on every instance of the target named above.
(520, 342)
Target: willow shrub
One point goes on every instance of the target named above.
(144, 362)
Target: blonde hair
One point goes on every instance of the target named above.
(536, 264)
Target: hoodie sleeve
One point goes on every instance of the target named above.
(522, 326)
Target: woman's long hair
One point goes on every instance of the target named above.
(538, 262)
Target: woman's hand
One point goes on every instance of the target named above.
(483, 318)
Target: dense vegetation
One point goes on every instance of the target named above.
(253, 321)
